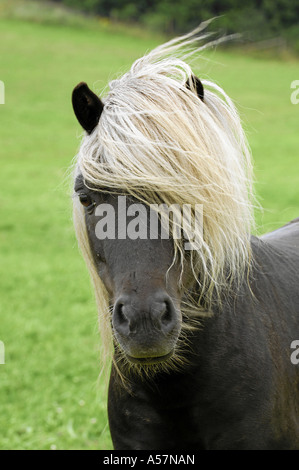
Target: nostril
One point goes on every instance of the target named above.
(151, 317)
(120, 321)
(121, 316)
(166, 314)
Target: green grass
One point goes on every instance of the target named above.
(48, 386)
(49, 393)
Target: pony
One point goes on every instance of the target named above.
(197, 340)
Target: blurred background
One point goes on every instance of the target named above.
(50, 394)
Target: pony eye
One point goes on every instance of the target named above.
(85, 200)
(100, 257)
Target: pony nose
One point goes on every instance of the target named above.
(131, 316)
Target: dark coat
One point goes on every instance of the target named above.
(241, 390)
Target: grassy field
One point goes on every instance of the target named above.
(49, 393)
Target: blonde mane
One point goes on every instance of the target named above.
(157, 137)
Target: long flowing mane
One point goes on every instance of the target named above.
(157, 137)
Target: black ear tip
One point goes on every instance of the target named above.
(79, 91)
(198, 86)
(81, 86)
(87, 106)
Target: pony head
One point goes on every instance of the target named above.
(161, 137)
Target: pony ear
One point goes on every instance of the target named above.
(87, 107)
(196, 83)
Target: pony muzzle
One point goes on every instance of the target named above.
(146, 331)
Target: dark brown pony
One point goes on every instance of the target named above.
(228, 381)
